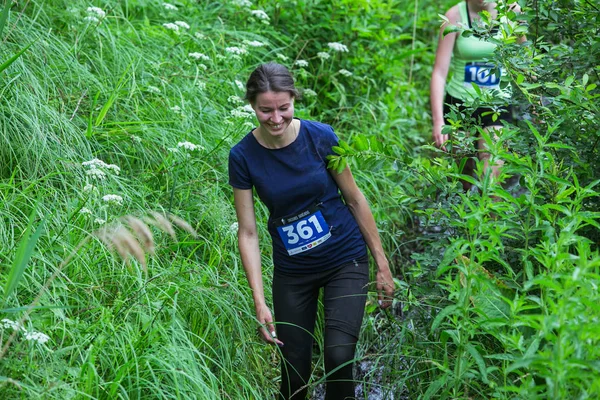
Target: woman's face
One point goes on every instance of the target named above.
(274, 111)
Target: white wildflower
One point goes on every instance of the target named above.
(96, 173)
(260, 14)
(200, 35)
(309, 93)
(172, 27)
(240, 85)
(113, 168)
(8, 324)
(98, 12)
(341, 48)
(248, 108)
(344, 72)
(234, 227)
(90, 188)
(240, 113)
(235, 99)
(201, 85)
(254, 43)
(37, 337)
(243, 3)
(100, 221)
(173, 150)
(199, 56)
(136, 139)
(282, 57)
(85, 210)
(188, 146)
(170, 7)
(95, 163)
(248, 125)
(182, 24)
(301, 63)
(153, 89)
(236, 50)
(323, 55)
(113, 199)
(203, 67)
(91, 19)
(176, 109)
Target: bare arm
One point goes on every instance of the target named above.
(251, 260)
(443, 56)
(357, 203)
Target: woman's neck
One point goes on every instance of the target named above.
(478, 6)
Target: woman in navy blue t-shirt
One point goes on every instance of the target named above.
(319, 239)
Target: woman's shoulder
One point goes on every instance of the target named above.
(316, 127)
(243, 145)
(454, 13)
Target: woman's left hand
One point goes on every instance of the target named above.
(385, 286)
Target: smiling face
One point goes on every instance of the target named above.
(275, 112)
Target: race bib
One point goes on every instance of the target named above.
(483, 75)
(304, 231)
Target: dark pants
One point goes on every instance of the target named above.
(295, 298)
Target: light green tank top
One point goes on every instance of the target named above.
(470, 65)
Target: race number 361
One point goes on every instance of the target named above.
(304, 234)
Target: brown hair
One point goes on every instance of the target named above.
(271, 77)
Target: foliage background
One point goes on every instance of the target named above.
(500, 298)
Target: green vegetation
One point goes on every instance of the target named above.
(500, 297)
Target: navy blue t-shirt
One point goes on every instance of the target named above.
(302, 198)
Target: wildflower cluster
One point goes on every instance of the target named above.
(323, 55)
(344, 72)
(31, 336)
(94, 14)
(171, 26)
(98, 169)
(113, 199)
(236, 50)
(170, 7)
(253, 43)
(199, 56)
(242, 112)
(243, 3)
(184, 25)
(340, 48)
(260, 16)
(309, 93)
(189, 146)
(153, 89)
(301, 63)
(235, 100)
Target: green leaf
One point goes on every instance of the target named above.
(23, 254)
(569, 80)
(449, 310)
(520, 79)
(478, 360)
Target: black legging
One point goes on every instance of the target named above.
(295, 298)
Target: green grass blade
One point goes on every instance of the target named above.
(4, 16)
(24, 253)
(14, 58)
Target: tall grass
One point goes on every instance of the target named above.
(123, 88)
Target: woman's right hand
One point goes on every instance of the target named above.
(439, 138)
(266, 329)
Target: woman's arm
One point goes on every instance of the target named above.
(443, 56)
(357, 203)
(250, 254)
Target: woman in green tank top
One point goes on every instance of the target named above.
(467, 60)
